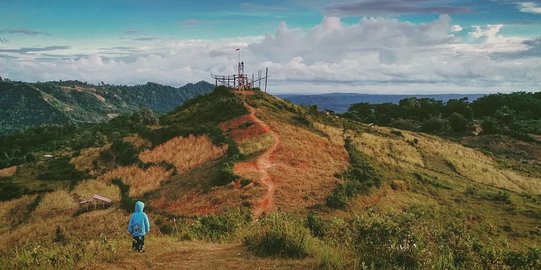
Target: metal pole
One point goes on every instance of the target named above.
(252, 84)
(259, 78)
(234, 81)
(266, 77)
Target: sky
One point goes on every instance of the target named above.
(309, 46)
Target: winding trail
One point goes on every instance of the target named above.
(262, 164)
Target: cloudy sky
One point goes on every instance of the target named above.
(310, 46)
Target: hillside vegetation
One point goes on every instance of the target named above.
(517, 115)
(24, 105)
(245, 180)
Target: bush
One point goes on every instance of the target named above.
(279, 236)
(386, 242)
(338, 198)
(501, 196)
(9, 191)
(433, 125)
(61, 169)
(124, 152)
(524, 260)
(219, 226)
(316, 225)
(126, 202)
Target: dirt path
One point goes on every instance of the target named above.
(168, 253)
(262, 164)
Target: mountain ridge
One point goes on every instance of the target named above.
(24, 105)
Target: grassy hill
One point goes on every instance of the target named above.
(236, 180)
(24, 105)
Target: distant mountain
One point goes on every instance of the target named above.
(24, 105)
(340, 102)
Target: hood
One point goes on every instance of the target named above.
(139, 206)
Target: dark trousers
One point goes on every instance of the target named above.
(137, 243)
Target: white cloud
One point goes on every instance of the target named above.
(456, 28)
(529, 7)
(381, 55)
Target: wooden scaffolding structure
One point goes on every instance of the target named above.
(241, 81)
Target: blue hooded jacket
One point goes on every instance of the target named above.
(139, 225)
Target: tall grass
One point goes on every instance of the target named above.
(69, 256)
(478, 166)
(87, 159)
(86, 189)
(7, 172)
(56, 203)
(139, 180)
(390, 150)
(185, 153)
(256, 144)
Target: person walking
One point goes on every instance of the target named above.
(138, 227)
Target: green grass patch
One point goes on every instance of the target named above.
(357, 180)
(279, 236)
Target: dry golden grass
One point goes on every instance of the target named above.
(87, 188)
(137, 141)
(85, 161)
(185, 153)
(192, 193)
(11, 211)
(389, 150)
(336, 134)
(56, 203)
(475, 165)
(139, 180)
(255, 145)
(304, 165)
(7, 172)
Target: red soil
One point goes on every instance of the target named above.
(241, 134)
(261, 164)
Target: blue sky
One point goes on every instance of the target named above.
(415, 46)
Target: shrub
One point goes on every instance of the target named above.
(126, 202)
(501, 196)
(316, 225)
(397, 133)
(524, 260)
(124, 152)
(338, 198)
(279, 236)
(61, 169)
(386, 242)
(9, 191)
(219, 226)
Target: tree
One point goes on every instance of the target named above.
(433, 125)
(489, 125)
(459, 123)
(460, 106)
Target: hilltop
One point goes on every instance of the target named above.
(247, 179)
(24, 105)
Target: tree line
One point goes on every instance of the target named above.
(516, 114)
